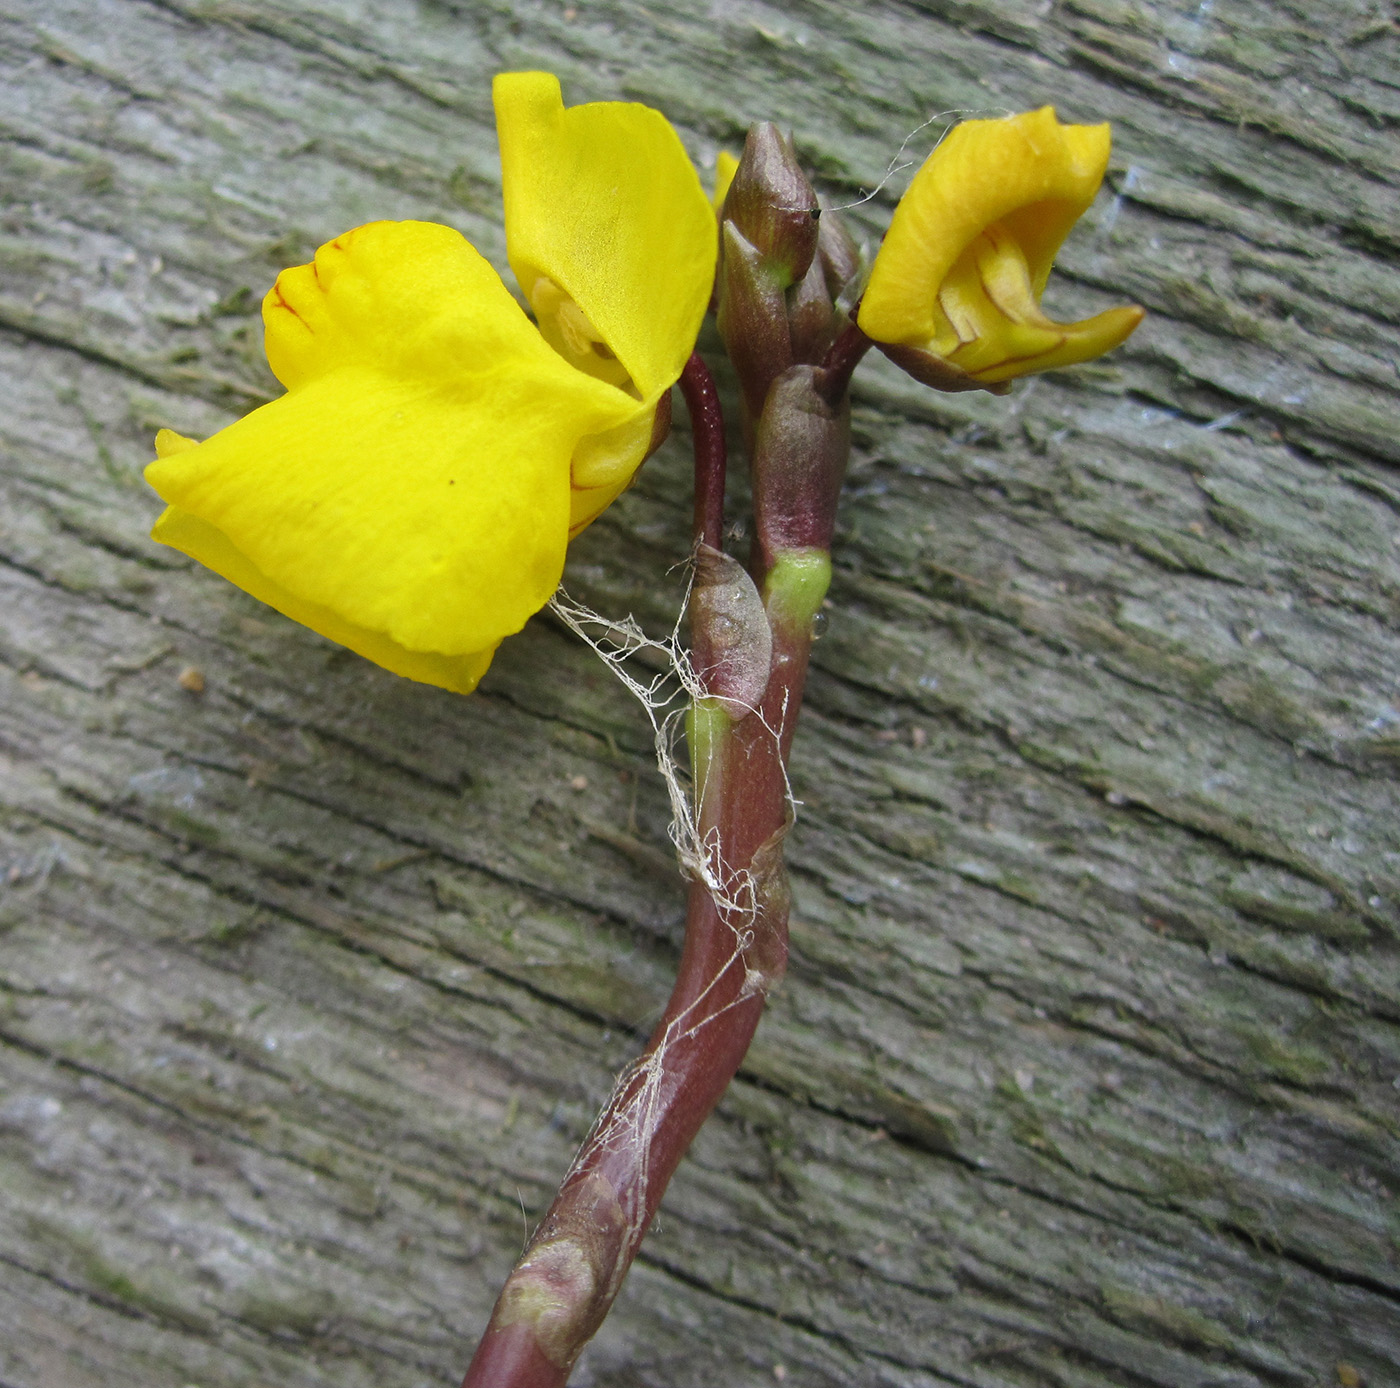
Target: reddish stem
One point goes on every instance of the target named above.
(735, 950)
(564, 1284)
(833, 376)
(711, 454)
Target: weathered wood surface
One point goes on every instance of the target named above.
(1086, 1068)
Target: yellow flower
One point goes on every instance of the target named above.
(412, 494)
(968, 252)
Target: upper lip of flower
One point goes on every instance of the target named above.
(630, 260)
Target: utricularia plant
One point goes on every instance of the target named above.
(413, 493)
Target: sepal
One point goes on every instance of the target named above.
(731, 643)
(843, 261)
(752, 318)
(812, 318)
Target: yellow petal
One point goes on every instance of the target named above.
(586, 504)
(570, 331)
(169, 443)
(1029, 167)
(1070, 344)
(603, 466)
(212, 548)
(726, 166)
(990, 305)
(437, 517)
(972, 242)
(603, 204)
(412, 298)
(414, 481)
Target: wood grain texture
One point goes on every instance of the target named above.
(1085, 1072)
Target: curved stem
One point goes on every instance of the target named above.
(833, 375)
(735, 951)
(574, 1265)
(711, 453)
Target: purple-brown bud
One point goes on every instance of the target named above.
(772, 204)
(799, 463)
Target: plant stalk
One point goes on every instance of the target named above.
(735, 952)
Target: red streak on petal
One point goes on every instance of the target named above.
(282, 303)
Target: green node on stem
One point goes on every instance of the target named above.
(794, 589)
(707, 726)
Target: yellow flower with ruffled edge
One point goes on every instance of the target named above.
(969, 250)
(412, 494)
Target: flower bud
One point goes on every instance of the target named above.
(773, 206)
